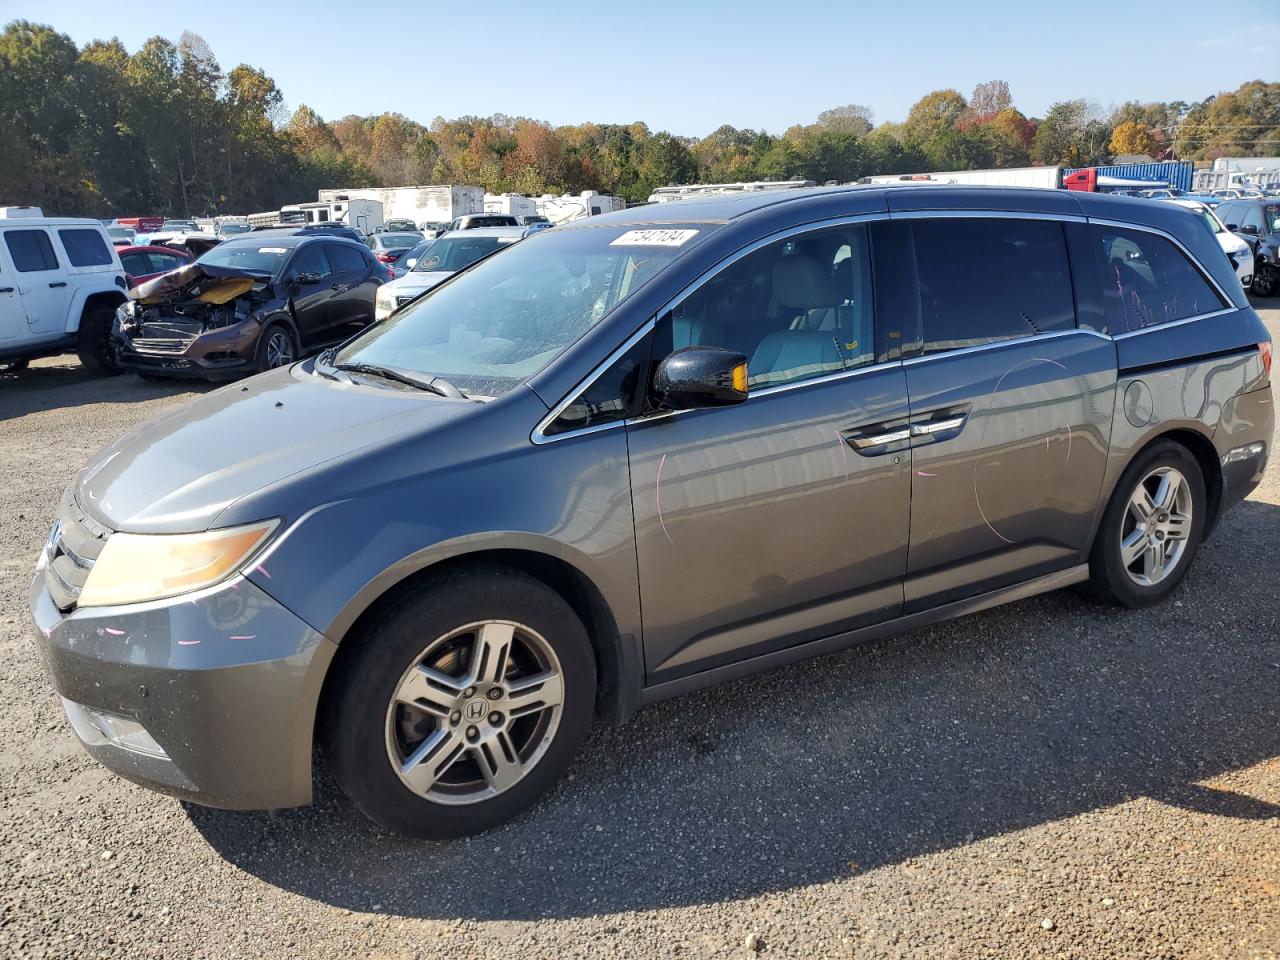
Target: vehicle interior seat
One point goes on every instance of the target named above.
(804, 297)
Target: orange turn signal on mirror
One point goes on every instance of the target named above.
(740, 378)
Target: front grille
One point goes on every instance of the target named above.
(157, 345)
(75, 546)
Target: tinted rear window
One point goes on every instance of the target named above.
(346, 259)
(1147, 280)
(31, 250)
(85, 248)
(985, 280)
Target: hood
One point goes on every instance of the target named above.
(197, 281)
(178, 472)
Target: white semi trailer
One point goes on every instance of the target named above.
(364, 215)
(436, 205)
(513, 204)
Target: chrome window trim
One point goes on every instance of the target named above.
(978, 347)
(538, 436)
(1175, 323)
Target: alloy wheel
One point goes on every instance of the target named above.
(1156, 527)
(475, 712)
(279, 350)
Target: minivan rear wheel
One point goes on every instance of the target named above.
(465, 701)
(1151, 528)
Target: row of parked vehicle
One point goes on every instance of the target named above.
(183, 304)
(190, 304)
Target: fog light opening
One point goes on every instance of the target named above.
(96, 727)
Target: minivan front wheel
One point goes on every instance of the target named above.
(1151, 529)
(464, 703)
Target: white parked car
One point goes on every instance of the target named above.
(60, 283)
(445, 257)
(1237, 251)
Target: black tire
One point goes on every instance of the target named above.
(1266, 280)
(1109, 578)
(93, 345)
(264, 358)
(356, 727)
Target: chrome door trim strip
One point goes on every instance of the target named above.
(1035, 337)
(1175, 323)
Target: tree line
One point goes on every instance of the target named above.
(100, 131)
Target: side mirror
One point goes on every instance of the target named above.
(1250, 229)
(1233, 227)
(694, 377)
(304, 279)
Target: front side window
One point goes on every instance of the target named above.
(796, 309)
(495, 325)
(1147, 280)
(310, 259)
(85, 248)
(984, 280)
(1252, 217)
(31, 250)
(1271, 218)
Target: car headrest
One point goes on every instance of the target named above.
(800, 281)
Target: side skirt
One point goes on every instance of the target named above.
(816, 648)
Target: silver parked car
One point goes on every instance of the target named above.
(630, 458)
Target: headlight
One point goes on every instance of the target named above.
(135, 567)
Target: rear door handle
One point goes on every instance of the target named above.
(6, 289)
(865, 441)
(59, 283)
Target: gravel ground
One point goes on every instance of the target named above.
(1049, 779)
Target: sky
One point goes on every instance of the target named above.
(688, 67)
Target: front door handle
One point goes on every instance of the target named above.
(59, 283)
(936, 426)
(6, 289)
(339, 287)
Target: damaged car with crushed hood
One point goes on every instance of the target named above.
(247, 305)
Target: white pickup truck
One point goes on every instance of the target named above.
(60, 283)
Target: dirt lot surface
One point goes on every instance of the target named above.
(1049, 779)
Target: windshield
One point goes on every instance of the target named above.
(230, 229)
(492, 327)
(257, 257)
(177, 225)
(457, 251)
(1272, 214)
(123, 232)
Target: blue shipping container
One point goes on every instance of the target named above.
(1176, 173)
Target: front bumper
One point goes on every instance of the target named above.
(224, 682)
(178, 349)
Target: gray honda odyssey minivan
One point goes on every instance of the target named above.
(632, 456)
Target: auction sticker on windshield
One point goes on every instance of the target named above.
(273, 249)
(654, 238)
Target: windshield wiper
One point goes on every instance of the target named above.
(437, 385)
